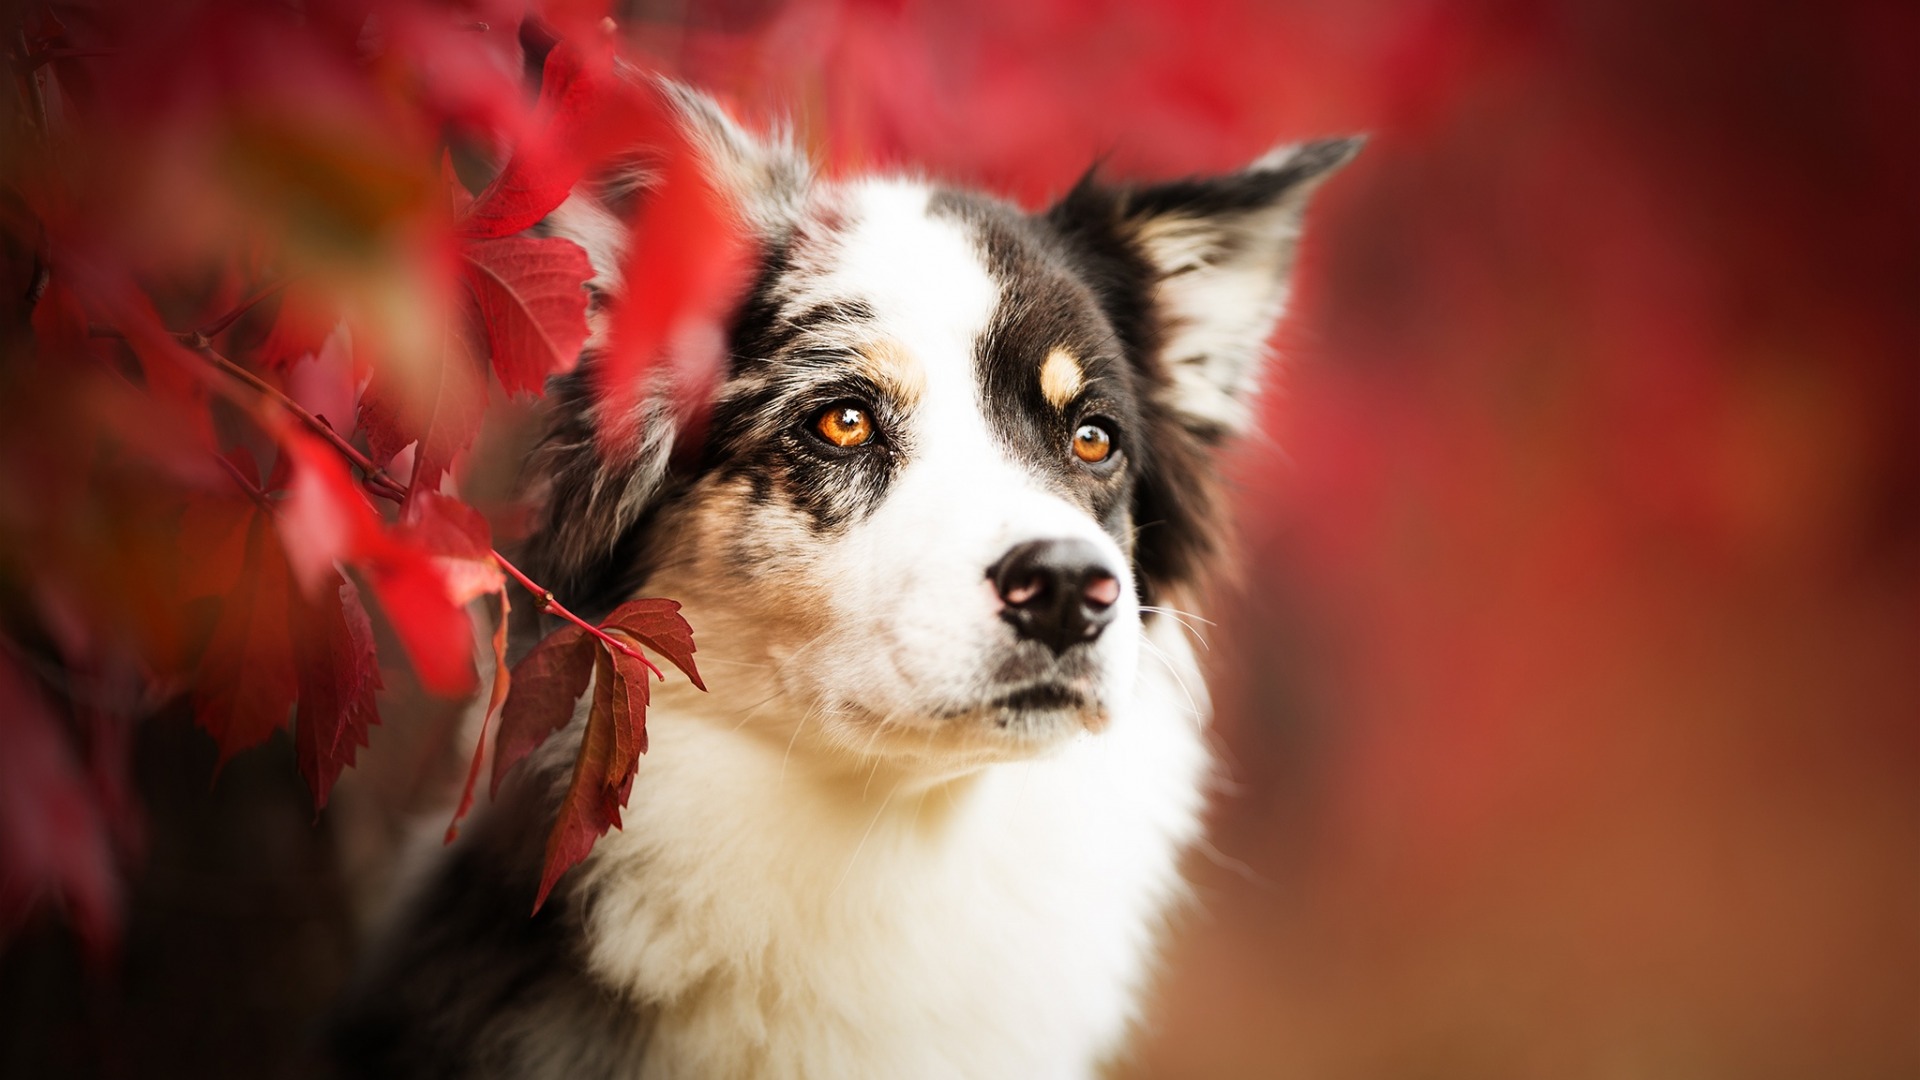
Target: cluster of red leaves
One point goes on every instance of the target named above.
(240, 238)
(244, 240)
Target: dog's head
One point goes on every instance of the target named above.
(959, 448)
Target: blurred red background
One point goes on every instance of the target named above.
(1569, 698)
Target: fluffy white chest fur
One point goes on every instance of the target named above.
(790, 920)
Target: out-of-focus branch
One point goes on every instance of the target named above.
(378, 480)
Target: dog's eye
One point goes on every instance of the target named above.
(845, 424)
(1092, 444)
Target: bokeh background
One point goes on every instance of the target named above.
(1569, 695)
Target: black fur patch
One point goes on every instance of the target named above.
(1045, 305)
(790, 362)
(470, 986)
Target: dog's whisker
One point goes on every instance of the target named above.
(1173, 669)
(1183, 618)
(788, 756)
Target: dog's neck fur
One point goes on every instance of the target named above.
(792, 915)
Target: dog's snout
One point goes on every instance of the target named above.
(1060, 593)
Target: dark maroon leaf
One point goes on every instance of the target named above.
(657, 623)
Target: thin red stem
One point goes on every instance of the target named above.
(546, 601)
(213, 329)
(253, 490)
(378, 480)
(381, 483)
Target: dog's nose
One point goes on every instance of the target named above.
(1057, 592)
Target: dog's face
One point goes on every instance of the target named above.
(958, 451)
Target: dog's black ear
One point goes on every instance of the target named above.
(1216, 254)
(1193, 276)
(590, 491)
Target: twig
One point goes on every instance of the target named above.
(253, 491)
(213, 329)
(545, 601)
(380, 482)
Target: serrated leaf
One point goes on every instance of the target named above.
(590, 807)
(547, 684)
(457, 538)
(437, 410)
(338, 677)
(247, 680)
(658, 624)
(433, 630)
(502, 687)
(630, 698)
(326, 520)
(532, 297)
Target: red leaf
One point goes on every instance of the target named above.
(439, 408)
(247, 681)
(338, 674)
(502, 686)
(587, 112)
(630, 696)
(300, 327)
(532, 296)
(171, 373)
(52, 836)
(658, 624)
(683, 275)
(434, 631)
(60, 324)
(602, 773)
(327, 520)
(547, 684)
(456, 536)
(213, 535)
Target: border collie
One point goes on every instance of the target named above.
(956, 484)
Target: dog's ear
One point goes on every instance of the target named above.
(1193, 276)
(1216, 253)
(589, 491)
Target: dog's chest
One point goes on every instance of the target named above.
(1001, 926)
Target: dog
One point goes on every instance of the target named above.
(953, 493)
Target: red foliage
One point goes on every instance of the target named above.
(306, 170)
(548, 684)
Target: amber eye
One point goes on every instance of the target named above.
(845, 425)
(1092, 444)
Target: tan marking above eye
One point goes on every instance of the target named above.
(1060, 378)
(845, 425)
(893, 369)
(1092, 444)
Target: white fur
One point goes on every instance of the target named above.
(793, 919)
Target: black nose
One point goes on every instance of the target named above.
(1058, 592)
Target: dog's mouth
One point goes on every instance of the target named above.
(1041, 697)
(1039, 710)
